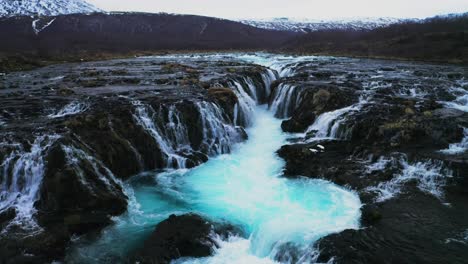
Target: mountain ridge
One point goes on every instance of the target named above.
(304, 25)
(102, 32)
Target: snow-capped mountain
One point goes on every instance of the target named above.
(10, 8)
(308, 25)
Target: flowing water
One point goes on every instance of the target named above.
(244, 188)
(72, 108)
(21, 190)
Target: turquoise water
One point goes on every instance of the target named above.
(244, 188)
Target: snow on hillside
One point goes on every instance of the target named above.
(10, 8)
(308, 25)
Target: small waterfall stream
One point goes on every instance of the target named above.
(20, 179)
(285, 99)
(145, 116)
(327, 124)
(167, 128)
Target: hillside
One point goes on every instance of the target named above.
(124, 32)
(443, 39)
(33, 40)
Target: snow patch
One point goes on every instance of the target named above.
(301, 25)
(9, 8)
(37, 29)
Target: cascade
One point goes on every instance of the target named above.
(245, 107)
(280, 217)
(218, 135)
(21, 176)
(285, 100)
(326, 125)
(145, 116)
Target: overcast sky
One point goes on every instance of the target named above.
(313, 9)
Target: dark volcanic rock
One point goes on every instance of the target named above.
(416, 228)
(180, 236)
(397, 123)
(79, 206)
(6, 216)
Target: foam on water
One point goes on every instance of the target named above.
(431, 177)
(283, 64)
(244, 188)
(461, 101)
(379, 165)
(72, 108)
(458, 148)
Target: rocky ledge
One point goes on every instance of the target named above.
(188, 235)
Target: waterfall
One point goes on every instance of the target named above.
(235, 119)
(245, 106)
(268, 78)
(145, 117)
(218, 136)
(286, 99)
(252, 88)
(326, 125)
(248, 96)
(288, 70)
(21, 176)
(168, 129)
(176, 131)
